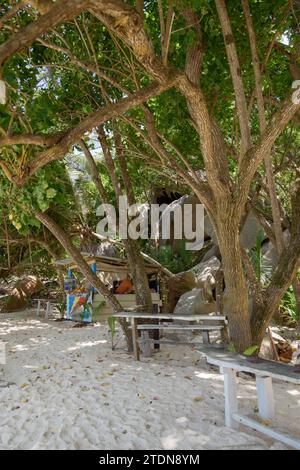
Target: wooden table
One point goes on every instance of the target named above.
(135, 316)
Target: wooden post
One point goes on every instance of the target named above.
(265, 398)
(230, 392)
(135, 339)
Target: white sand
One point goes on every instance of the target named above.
(70, 391)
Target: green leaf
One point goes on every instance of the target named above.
(250, 351)
(50, 193)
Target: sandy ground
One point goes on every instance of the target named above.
(69, 390)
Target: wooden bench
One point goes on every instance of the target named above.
(264, 372)
(206, 324)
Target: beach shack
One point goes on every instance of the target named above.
(109, 270)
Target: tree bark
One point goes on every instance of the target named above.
(236, 75)
(284, 275)
(83, 266)
(263, 126)
(135, 259)
(227, 227)
(275, 205)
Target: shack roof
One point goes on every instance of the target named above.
(109, 264)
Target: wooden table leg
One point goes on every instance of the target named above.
(136, 348)
(230, 392)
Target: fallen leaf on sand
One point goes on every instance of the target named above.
(24, 385)
(141, 396)
(198, 398)
(265, 422)
(105, 384)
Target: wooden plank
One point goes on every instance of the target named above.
(136, 348)
(251, 423)
(169, 316)
(240, 363)
(181, 327)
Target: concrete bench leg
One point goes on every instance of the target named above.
(145, 344)
(205, 336)
(265, 398)
(48, 308)
(38, 308)
(230, 392)
(136, 348)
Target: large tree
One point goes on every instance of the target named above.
(179, 48)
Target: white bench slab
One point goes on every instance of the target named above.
(135, 316)
(169, 316)
(264, 372)
(49, 306)
(161, 326)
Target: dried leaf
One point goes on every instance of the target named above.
(198, 399)
(24, 385)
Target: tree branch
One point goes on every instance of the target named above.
(252, 159)
(235, 75)
(97, 118)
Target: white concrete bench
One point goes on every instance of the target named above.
(205, 323)
(264, 372)
(46, 305)
(2, 353)
(204, 328)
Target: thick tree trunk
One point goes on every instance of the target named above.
(139, 276)
(227, 227)
(84, 268)
(281, 281)
(135, 259)
(296, 289)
